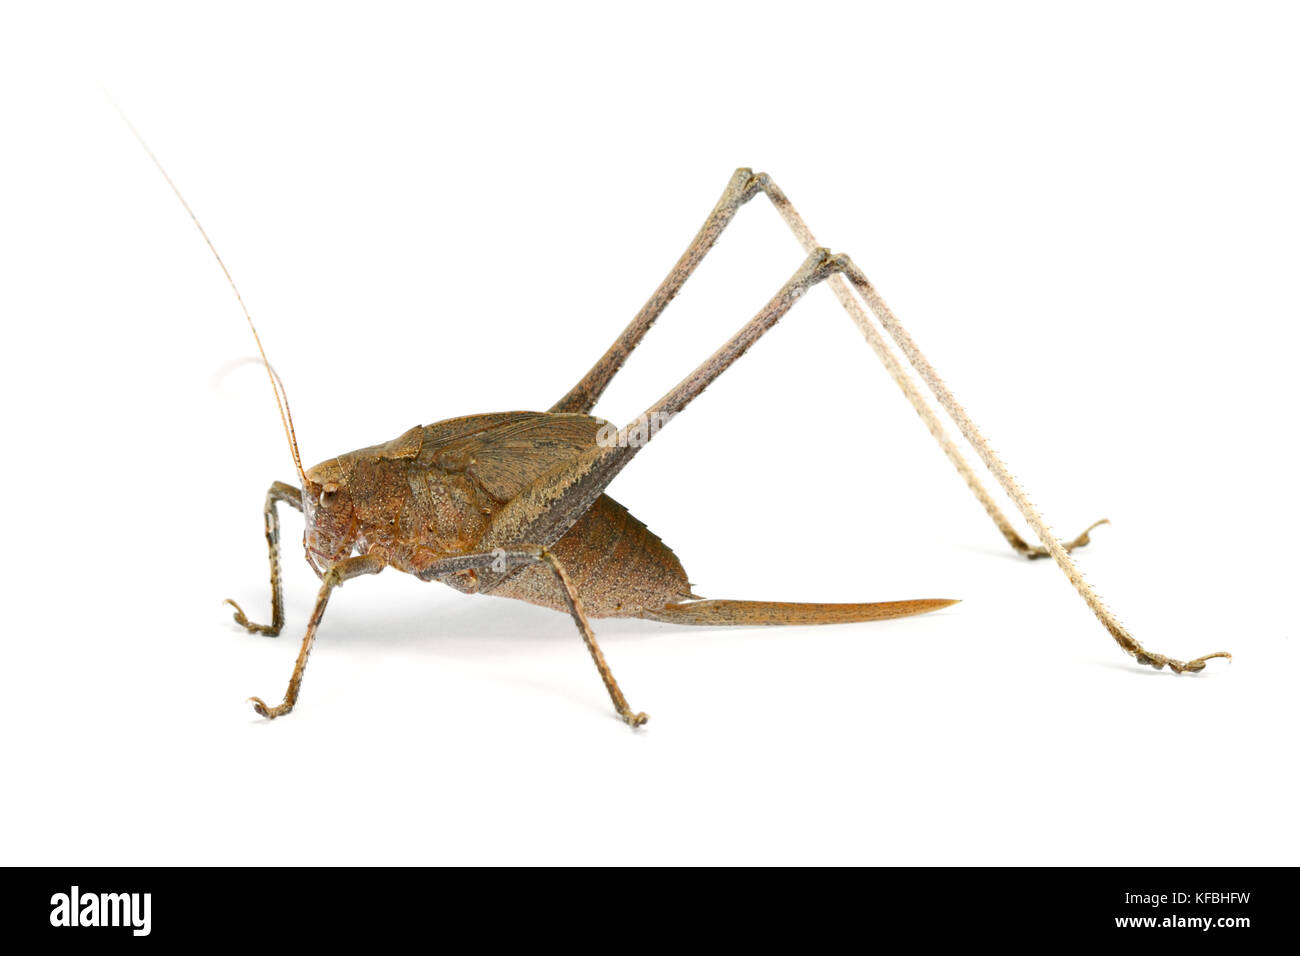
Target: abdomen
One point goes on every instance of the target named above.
(619, 566)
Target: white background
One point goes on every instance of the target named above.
(1086, 216)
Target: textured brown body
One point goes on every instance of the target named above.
(621, 567)
(431, 493)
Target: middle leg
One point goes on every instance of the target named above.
(334, 577)
(507, 559)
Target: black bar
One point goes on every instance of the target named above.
(1222, 907)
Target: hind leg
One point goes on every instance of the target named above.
(743, 186)
(551, 505)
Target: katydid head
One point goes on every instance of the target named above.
(332, 524)
(357, 500)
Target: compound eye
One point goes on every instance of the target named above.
(327, 493)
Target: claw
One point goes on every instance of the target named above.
(1082, 540)
(636, 720)
(270, 713)
(1199, 663)
(1158, 661)
(242, 620)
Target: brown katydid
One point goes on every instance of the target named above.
(513, 504)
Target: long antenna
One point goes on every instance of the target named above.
(277, 387)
